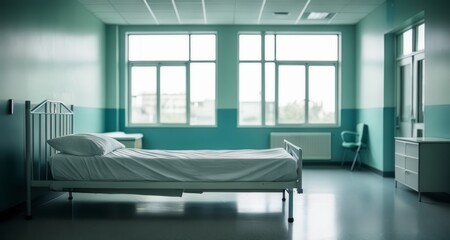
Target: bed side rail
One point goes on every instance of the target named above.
(296, 152)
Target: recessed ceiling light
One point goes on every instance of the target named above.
(318, 15)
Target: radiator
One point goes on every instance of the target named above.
(315, 146)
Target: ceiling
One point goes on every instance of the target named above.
(242, 12)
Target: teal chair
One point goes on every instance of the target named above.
(354, 141)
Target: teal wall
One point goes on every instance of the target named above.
(375, 78)
(49, 49)
(369, 85)
(375, 73)
(437, 70)
(226, 135)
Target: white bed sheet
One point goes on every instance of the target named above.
(128, 164)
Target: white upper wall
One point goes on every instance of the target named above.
(370, 60)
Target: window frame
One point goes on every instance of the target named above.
(307, 64)
(132, 63)
(399, 41)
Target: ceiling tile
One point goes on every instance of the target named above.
(218, 7)
(85, 2)
(324, 8)
(250, 5)
(376, 2)
(358, 8)
(337, 2)
(227, 11)
(190, 10)
(313, 22)
(100, 8)
(130, 7)
(344, 22)
(345, 16)
(127, 1)
(146, 21)
(102, 15)
(114, 21)
(136, 15)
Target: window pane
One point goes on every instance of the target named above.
(203, 47)
(322, 94)
(307, 47)
(407, 42)
(270, 93)
(405, 93)
(420, 100)
(249, 47)
(158, 47)
(269, 47)
(250, 94)
(291, 94)
(143, 95)
(203, 93)
(421, 37)
(173, 94)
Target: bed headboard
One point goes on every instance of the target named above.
(47, 120)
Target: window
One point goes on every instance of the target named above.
(288, 79)
(421, 37)
(410, 79)
(411, 40)
(172, 79)
(407, 42)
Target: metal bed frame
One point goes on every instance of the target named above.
(51, 119)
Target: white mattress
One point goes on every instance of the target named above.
(177, 165)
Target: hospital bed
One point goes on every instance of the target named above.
(105, 166)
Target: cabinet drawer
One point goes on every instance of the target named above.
(400, 175)
(399, 160)
(412, 164)
(412, 150)
(412, 180)
(400, 147)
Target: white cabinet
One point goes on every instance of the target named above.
(423, 164)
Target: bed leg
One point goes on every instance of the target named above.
(291, 206)
(284, 196)
(28, 216)
(70, 196)
(28, 156)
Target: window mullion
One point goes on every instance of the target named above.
(306, 93)
(336, 92)
(188, 83)
(276, 94)
(158, 93)
(129, 93)
(188, 93)
(276, 79)
(263, 81)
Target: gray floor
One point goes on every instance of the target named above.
(336, 204)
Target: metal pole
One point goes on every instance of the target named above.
(28, 160)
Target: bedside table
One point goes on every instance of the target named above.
(130, 140)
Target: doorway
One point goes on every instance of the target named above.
(410, 82)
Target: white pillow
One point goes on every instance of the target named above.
(85, 144)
